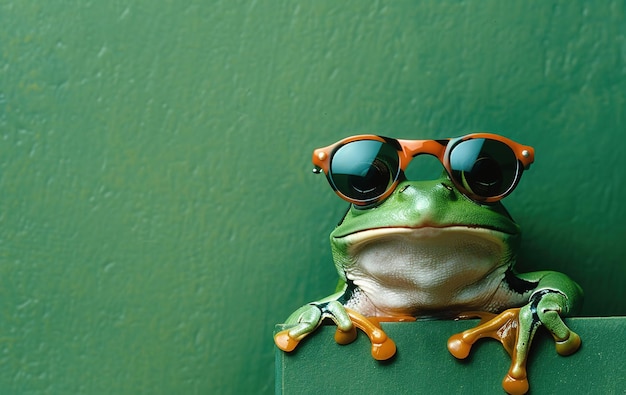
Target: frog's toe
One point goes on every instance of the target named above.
(284, 341)
(303, 321)
(569, 345)
(383, 347)
(345, 336)
(515, 386)
(288, 339)
(459, 347)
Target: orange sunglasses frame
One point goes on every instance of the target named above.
(409, 149)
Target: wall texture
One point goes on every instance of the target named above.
(158, 215)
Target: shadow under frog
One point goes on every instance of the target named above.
(426, 249)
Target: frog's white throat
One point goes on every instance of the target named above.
(415, 270)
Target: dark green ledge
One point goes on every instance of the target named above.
(423, 365)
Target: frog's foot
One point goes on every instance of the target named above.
(497, 326)
(308, 318)
(503, 327)
(515, 329)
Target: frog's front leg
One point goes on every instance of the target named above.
(554, 295)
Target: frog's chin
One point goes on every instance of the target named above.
(413, 270)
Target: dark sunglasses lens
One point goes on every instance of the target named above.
(484, 167)
(364, 170)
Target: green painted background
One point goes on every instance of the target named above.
(158, 215)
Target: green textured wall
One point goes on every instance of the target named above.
(158, 215)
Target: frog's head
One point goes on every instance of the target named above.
(394, 225)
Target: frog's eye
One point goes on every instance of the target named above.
(364, 170)
(485, 168)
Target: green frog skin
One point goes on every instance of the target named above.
(429, 251)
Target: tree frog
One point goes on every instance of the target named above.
(441, 248)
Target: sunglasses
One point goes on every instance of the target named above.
(366, 169)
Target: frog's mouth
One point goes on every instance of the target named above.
(364, 236)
